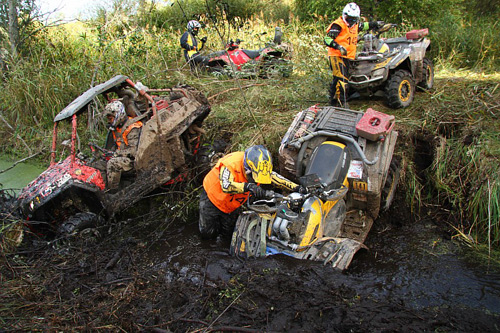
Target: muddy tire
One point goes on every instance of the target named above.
(79, 222)
(428, 75)
(400, 89)
(246, 241)
(390, 186)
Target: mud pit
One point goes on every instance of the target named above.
(152, 273)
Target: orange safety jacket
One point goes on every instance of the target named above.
(348, 38)
(226, 202)
(123, 136)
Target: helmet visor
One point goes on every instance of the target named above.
(351, 20)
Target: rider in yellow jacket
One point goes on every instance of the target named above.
(191, 46)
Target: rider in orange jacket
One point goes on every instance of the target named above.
(126, 132)
(228, 186)
(341, 39)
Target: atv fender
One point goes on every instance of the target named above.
(337, 252)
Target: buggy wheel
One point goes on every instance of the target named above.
(391, 183)
(78, 222)
(400, 89)
(428, 75)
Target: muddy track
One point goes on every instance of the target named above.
(151, 273)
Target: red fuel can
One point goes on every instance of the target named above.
(374, 125)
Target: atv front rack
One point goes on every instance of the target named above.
(329, 121)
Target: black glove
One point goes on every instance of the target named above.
(342, 50)
(204, 40)
(257, 191)
(301, 189)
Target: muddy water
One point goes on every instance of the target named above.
(411, 264)
(19, 176)
(416, 265)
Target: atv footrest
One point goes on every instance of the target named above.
(356, 226)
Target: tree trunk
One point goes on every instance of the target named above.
(13, 27)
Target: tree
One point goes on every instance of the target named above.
(16, 18)
(13, 26)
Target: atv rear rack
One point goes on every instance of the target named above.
(329, 121)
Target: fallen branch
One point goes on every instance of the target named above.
(213, 322)
(237, 88)
(20, 161)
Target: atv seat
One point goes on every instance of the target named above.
(252, 54)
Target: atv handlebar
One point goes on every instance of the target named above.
(298, 143)
(271, 205)
(105, 152)
(233, 45)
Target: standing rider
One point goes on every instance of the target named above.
(341, 39)
(126, 134)
(190, 45)
(228, 185)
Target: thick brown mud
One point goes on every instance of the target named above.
(154, 273)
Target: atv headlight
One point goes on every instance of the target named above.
(378, 72)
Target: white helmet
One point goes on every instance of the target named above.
(193, 26)
(116, 109)
(351, 14)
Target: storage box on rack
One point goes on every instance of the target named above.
(417, 34)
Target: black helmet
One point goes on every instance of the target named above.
(258, 161)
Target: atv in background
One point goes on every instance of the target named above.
(392, 66)
(73, 193)
(344, 159)
(268, 61)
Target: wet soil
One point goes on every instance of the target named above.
(154, 273)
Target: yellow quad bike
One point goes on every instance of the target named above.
(344, 160)
(392, 67)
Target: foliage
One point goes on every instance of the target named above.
(234, 12)
(408, 12)
(19, 27)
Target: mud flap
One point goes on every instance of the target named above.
(249, 236)
(337, 252)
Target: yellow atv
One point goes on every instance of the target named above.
(344, 160)
(393, 67)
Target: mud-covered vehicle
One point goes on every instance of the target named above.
(392, 67)
(344, 159)
(73, 191)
